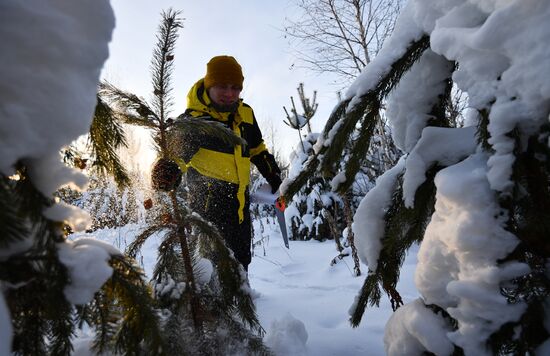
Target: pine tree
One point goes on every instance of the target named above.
(41, 270)
(36, 278)
(105, 138)
(474, 198)
(309, 107)
(110, 198)
(197, 282)
(333, 142)
(337, 216)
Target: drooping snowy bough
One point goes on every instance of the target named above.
(476, 197)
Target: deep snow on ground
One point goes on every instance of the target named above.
(301, 282)
(297, 289)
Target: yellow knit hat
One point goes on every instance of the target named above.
(223, 70)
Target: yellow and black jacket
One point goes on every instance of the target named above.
(218, 173)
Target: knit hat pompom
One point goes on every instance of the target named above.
(223, 70)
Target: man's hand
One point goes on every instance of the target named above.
(166, 175)
(266, 164)
(274, 181)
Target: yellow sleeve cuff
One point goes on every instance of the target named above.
(258, 149)
(181, 163)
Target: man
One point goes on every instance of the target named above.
(217, 173)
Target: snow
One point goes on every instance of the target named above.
(87, 261)
(5, 326)
(301, 300)
(500, 59)
(53, 51)
(52, 55)
(408, 107)
(457, 261)
(414, 329)
(83, 342)
(287, 336)
(263, 195)
(504, 60)
(368, 221)
(291, 211)
(300, 155)
(204, 268)
(301, 282)
(442, 146)
(327, 141)
(338, 180)
(78, 219)
(297, 121)
(167, 285)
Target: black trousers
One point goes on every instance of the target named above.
(217, 202)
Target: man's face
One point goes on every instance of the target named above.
(224, 95)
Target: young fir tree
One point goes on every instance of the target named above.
(315, 212)
(49, 283)
(198, 284)
(314, 209)
(474, 198)
(299, 121)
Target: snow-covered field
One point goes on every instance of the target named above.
(302, 300)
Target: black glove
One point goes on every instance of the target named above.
(266, 164)
(274, 181)
(166, 175)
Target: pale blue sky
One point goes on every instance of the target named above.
(249, 30)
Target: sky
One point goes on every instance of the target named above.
(251, 31)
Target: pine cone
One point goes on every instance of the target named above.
(166, 219)
(148, 204)
(166, 175)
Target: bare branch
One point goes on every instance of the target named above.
(340, 36)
